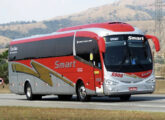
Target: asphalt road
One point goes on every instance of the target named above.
(153, 103)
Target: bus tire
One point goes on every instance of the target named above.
(125, 97)
(81, 93)
(28, 92)
(65, 97)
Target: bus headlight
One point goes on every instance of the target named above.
(111, 82)
(150, 81)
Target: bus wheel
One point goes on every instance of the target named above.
(81, 93)
(125, 97)
(64, 97)
(28, 92)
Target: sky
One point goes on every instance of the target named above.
(38, 10)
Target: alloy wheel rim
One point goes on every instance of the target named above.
(82, 92)
(28, 92)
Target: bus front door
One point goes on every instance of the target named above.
(98, 75)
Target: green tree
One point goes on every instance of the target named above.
(4, 66)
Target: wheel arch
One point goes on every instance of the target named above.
(26, 82)
(79, 81)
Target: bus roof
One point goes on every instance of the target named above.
(99, 28)
(112, 26)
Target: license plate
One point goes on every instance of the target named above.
(132, 88)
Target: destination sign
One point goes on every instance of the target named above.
(116, 38)
(135, 38)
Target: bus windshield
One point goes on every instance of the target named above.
(127, 53)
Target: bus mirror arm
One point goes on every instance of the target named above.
(155, 41)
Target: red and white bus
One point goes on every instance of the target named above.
(104, 59)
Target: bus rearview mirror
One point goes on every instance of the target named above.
(155, 41)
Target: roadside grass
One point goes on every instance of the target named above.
(160, 87)
(26, 113)
(4, 89)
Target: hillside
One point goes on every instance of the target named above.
(139, 13)
(4, 41)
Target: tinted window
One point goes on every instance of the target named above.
(41, 49)
(127, 53)
(85, 46)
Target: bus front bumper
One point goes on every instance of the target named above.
(115, 90)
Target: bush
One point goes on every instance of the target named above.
(4, 66)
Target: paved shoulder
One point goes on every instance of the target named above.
(155, 103)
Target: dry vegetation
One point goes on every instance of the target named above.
(136, 2)
(107, 13)
(4, 89)
(24, 113)
(23, 28)
(160, 87)
(4, 41)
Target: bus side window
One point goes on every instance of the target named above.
(86, 46)
(97, 60)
